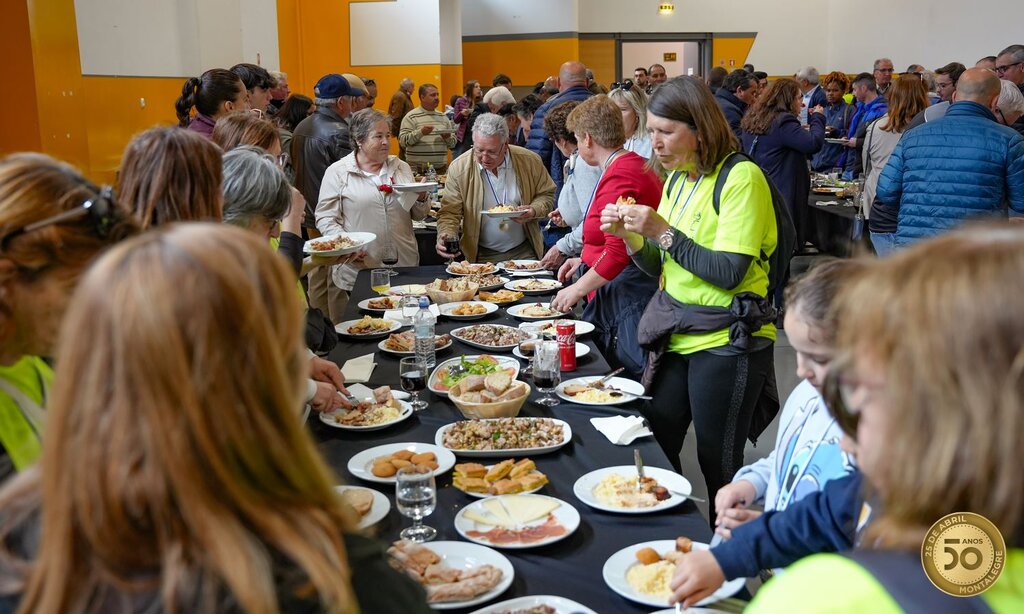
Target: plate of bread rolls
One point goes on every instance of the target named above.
(380, 464)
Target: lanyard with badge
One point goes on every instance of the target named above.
(504, 185)
(678, 219)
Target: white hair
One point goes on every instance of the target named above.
(278, 75)
(808, 74)
(253, 186)
(499, 96)
(1010, 100)
(489, 124)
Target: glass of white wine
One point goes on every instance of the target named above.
(416, 498)
(380, 281)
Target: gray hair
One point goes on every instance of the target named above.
(879, 61)
(361, 124)
(808, 74)
(1010, 100)
(278, 75)
(1016, 52)
(325, 102)
(489, 124)
(406, 82)
(929, 79)
(253, 186)
(499, 96)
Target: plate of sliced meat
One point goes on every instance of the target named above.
(454, 574)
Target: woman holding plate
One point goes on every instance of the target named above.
(705, 365)
(616, 290)
(357, 195)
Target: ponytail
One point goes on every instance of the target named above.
(183, 105)
(207, 93)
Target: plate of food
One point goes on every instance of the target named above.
(370, 505)
(837, 141)
(460, 574)
(544, 604)
(380, 303)
(469, 268)
(367, 328)
(468, 310)
(585, 391)
(582, 327)
(489, 336)
(504, 436)
(614, 489)
(454, 370)
(534, 311)
(381, 463)
(534, 286)
(408, 290)
(489, 282)
(642, 572)
(582, 349)
(521, 266)
(505, 211)
(829, 190)
(374, 414)
(339, 244)
(424, 186)
(517, 521)
(404, 344)
(501, 297)
(505, 478)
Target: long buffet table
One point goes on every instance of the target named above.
(570, 568)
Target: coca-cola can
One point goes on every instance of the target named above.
(565, 331)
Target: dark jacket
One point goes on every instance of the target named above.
(962, 166)
(838, 116)
(318, 141)
(733, 107)
(824, 521)
(866, 113)
(818, 98)
(540, 144)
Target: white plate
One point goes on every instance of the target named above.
(564, 514)
(628, 386)
(618, 564)
(378, 511)
(447, 308)
(383, 348)
(484, 495)
(501, 282)
(403, 413)
(505, 361)
(566, 438)
(550, 285)
(458, 332)
(408, 290)
(582, 327)
(504, 265)
(504, 214)
(837, 141)
(425, 186)
(359, 465)
(365, 304)
(461, 555)
(560, 604)
(342, 330)
(516, 311)
(492, 270)
(361, 239)
(582, 349)
(584, 488)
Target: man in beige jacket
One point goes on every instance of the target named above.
(491, 174)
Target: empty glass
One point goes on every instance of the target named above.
(547, 372)
(380, 281)
(529, 337)
(416, 497)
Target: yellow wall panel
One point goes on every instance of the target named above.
(730, 53)
(599, 55)
(525, 61)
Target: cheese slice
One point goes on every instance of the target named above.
(495, 514)
(525, 508)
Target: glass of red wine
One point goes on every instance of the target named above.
(547, 370)
(412, 372)
(389, 257)
(451, 245)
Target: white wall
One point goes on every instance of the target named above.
(488, 17)
(174, 38)
(645, 54)
(451, 31)
(399, 32)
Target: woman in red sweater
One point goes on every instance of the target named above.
(616, 291)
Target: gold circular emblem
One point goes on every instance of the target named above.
(963, 554)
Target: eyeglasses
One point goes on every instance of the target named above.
(1001, 69)
(623, 85)
(99, 210)
(369, 82)
(889, 70)
(257, 112)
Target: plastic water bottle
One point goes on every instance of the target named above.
(423, 329)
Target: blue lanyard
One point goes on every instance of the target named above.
(686, 203)
(504, 187)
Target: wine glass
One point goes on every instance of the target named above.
(547, 371)
(412, 372)
(389, 257)
(416, 497)
(452, 246)
(380, 281)
(529, 336)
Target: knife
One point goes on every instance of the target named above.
(639, 468)
(604, 380)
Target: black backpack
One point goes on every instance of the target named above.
(778, 261)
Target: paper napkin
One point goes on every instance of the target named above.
(621, 430)
(358, 370)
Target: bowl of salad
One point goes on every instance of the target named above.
(454, 370)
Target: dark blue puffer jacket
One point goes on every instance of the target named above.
(540, 144)
(961, 166)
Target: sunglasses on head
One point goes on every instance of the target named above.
(625, 85)
(99, 211)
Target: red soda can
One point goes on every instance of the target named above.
(565, 332)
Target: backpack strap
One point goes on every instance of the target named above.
(723, 175)
(673, 177)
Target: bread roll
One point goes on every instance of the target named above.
(498, 383)
(684, 544)
(403, 454)
(384, 470)
(423, 457)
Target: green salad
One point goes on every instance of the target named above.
(483, 365)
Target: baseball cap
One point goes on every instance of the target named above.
(333, 86)
(356, 83)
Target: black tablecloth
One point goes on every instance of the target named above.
(830, 227)
(570, 568)
(426, 240)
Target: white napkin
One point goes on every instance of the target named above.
(358, 369)
(396, 314)
(621, 430)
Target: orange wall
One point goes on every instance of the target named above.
(730, 53)
(525, 61)
(599, 56)
(21, 131)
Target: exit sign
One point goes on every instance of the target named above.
(669, 57)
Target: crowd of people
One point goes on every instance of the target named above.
(669, 209)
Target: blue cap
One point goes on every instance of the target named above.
(424, 302)
(333, 86)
